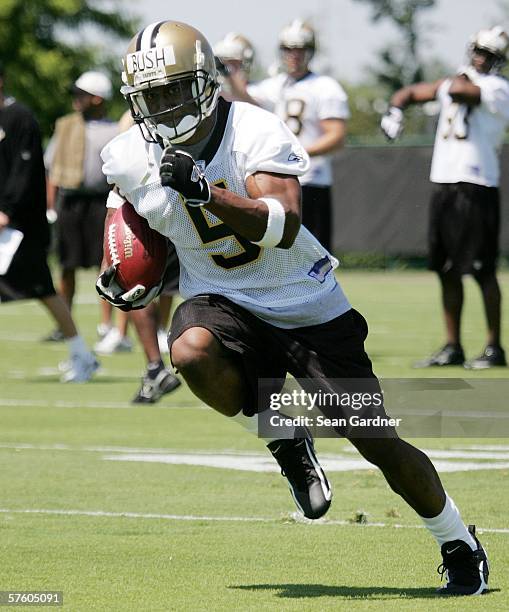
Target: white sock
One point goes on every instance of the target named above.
(448, 526)
(77, 345)
(250, 424)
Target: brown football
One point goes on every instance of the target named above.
(138, 251)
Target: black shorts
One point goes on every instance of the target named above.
(317, 212)
(324, 353)
(80, 230)
(464, 228)
(28, 275)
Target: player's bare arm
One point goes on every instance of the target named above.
(51, 194)
(392, 121)
(249, 216)
(4, 220)
(332, 138)
(415, 94)
(463, 91)
(271, 211)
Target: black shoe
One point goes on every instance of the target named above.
(491, 356)
(448, 355)
(55, 336)
(153, 389)
(308, 484)
(466, 570)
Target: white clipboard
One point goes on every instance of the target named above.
(9, 242)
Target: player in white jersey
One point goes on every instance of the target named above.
(315, 108)
(261, 297)
(464, 209)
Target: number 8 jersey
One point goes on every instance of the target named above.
(302, 104)
(215, 259)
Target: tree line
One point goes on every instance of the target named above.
(46, 44)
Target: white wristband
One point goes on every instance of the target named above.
(275, 223)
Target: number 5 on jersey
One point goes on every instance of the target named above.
(210, 233)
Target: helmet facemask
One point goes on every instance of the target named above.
(173, 110)
(297, 35)
(170, 81)
(493, 61)
(307, 56)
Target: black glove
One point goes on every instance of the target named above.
(179, 171)
(134, 299)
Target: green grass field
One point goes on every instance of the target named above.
(120, 508)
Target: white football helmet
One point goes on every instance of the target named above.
(298, 35)
(495, 41)
(170, 81)
(236, 47)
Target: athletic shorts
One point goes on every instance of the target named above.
(316, 355)
(80, 230)
(171, 278)
(464, 228)
(317, 213)
(28, 276)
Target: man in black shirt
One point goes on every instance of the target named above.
(23, 207)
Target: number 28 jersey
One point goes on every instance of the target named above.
(215, 259)
(468, 138)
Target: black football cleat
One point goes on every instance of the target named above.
(448, 355)
(466, 570)
(492, 356)
(307, 481)
(152, 389)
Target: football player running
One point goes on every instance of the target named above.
(464, 208)
(315, 108)
(220, 179)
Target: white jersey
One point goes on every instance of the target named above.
(468, 138)
(302, 105)
(287, 287)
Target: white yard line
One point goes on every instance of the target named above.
(445, 461)
(234, 519)
(80, 404)
(208, 457)
(140, 515)
(477, 451)
(485, 453)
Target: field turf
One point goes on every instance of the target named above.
(120, 508)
